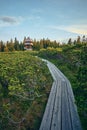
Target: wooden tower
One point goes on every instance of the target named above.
(28, 44)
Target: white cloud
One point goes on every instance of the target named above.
(78, 29)
(6, 21)
(9, 21)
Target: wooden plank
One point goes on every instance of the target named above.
(60, 112)
(68, 82)
(56, 121)
(76, 124)
(46, 121)
(70, 92)
(58, 76)
(52, 72)
(66, 121)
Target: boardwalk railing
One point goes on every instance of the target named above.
(61, 112)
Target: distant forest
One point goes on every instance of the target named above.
(15, 45)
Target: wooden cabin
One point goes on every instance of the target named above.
(28, 44)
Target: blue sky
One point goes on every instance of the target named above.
(53, 19)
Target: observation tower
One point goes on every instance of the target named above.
(28, 44)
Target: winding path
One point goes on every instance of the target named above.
(61, 112)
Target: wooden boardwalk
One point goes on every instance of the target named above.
(61, 112)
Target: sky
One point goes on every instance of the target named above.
(54, 19)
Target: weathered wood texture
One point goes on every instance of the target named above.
(61, 112)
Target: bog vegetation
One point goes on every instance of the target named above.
(24, 87)
(25, 81)
(72, 61)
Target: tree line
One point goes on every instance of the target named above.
(11, 45)
(15, 45)
(78, 40)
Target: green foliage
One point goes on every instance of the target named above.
(44, 44)
(72, 61)
(15, 45)
(24, 79)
